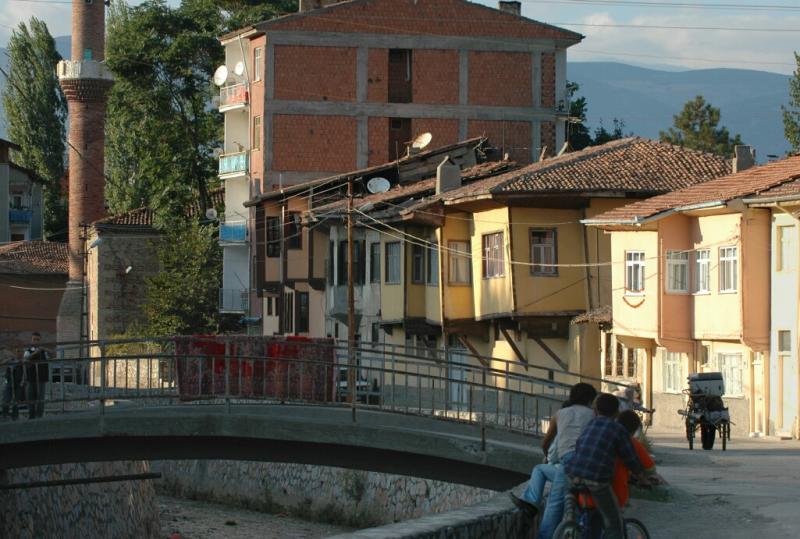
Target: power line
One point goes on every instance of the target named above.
(677, 27)
(671, 5)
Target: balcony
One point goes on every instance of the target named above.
(234, 300)
(233, 164)
(233, 232)
(20, 216)
(233, 97)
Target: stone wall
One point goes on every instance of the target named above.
(350, 497)
(119, 510)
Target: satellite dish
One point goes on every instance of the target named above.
(221, 75)
(421, 141)
(238, 69)
(211, 214)
(378, 185)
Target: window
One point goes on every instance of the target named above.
(543, 252)
(677, 271)
(432, 277)
(257, 132)
(730, 365)
(393, 262)
(88, 54)
(672, 372)
(619, 363)
(417, 264)
(273, 237)
(705, 354)
(341, 264)
(702, 271)
(493, 260)
(399, 76)
(460, 266)
(376, 332)
(728, 269)
(293, 233)
(786, 257)
(359, 261)
(269, 306)
(375, 262)
(302, 312)
(608, 365)
(331, 260)
(631, 363)
(288, 312)
(257, 63)
(784, 341)
(634, 272)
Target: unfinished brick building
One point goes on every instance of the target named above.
(342, 85)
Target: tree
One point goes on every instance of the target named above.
(36, 113)
(579, 136)
(697, 127)
(182, 298)
(161, 127)
(791, 114)
(602, 135)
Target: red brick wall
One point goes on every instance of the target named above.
(90, 33)
(435, 76)
(548, 79)
(315, 73)
(378, 75)
(440, 17)
(509, 137)
(500, 79)
(444, 131)
(257, 91)
(549, 138)
(313, 143)
(378, 136)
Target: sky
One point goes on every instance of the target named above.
(770, 48)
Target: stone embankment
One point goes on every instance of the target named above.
(348, 497)
(121, 510)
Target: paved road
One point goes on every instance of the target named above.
(750, 490)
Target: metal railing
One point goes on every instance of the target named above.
(233, 163)
(234, 300)
(252, 370)
(234, 94)
(20, 215)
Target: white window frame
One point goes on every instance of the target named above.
(493, 247)
(677, 262)
(634, 262)
(257, 57)
(731, 365)
(702, 271)
(393, 250)
(257, 132)
(786, 256)
(672, 372)
(728, 269)
(459, 262)
(544, 254)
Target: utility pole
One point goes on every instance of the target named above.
(351, 311)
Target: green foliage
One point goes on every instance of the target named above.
(182, 298)
(36, 112)
(696, 127)
(791, 114)
(579, 135)
(161, 127)
(602, 135)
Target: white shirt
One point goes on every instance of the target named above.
(570, 422)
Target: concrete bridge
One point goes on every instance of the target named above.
(323, 435)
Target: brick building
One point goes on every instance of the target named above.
(341, 86)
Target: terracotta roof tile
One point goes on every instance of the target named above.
(145, 216)
(788, 190)
(632, 164)
(753, 181)
(34, 257)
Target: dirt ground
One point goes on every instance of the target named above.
(750, 490)
(201, 520)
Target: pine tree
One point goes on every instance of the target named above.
(36, 113)
(696, 127)
(791, 114)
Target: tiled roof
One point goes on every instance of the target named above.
(34, 257)
(599, 315)
(786, 190)
(753, 181)
(634, 164)
(143, 217)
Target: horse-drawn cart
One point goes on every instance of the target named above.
(705, 410)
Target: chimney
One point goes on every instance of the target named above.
(744, 157)
(448, 176)
(515, 8)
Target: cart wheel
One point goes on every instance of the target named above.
(707, 435)
(725, 428)
(690, 435)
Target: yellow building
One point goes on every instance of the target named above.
(690, 278)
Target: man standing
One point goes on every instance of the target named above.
(14, 390)
(37, 373)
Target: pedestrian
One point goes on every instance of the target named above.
(602, 441)
(14, 391)
(37, 373)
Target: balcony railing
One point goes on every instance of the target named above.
(20, 216)
(233, 163)
(233, 231)
(234, 300)
(233, 95)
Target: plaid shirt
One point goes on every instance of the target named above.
(601, 441)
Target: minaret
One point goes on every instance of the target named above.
(85, 81)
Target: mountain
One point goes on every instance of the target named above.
(647, 99)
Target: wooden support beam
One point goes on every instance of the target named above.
(514, 347)
(468, 345)
(550, 353)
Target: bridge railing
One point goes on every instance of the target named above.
(152, 372)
